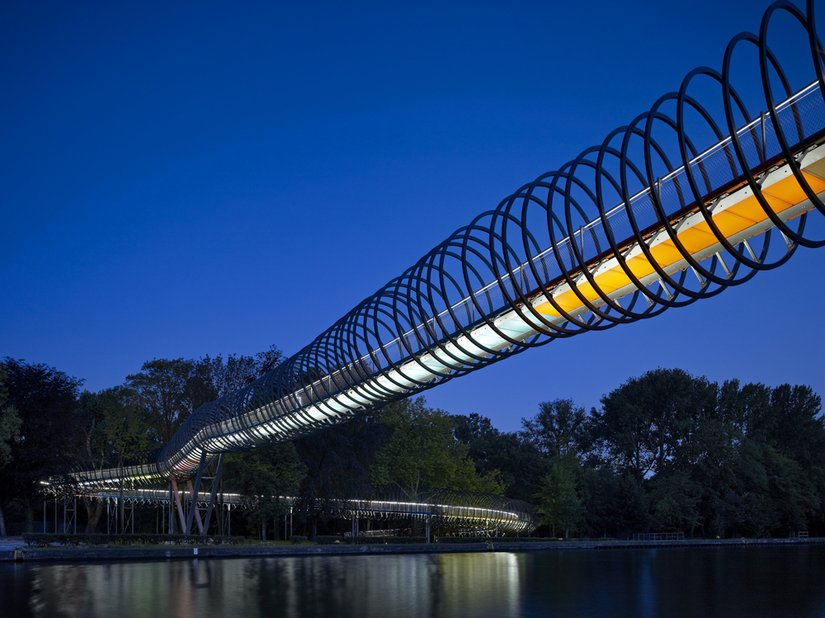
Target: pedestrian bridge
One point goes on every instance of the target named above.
(695, 195)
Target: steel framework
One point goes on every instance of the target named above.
(686, 200)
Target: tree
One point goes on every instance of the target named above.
(630, 506)
(163, 388)
(9, 426)
(174, 389)
(714, 455)
(216, 376)
(46, 402)
(422, 453)
(267, 360)
(508, 456)
(338, 463)
(647, 420)
(598, 486)
(267, 473)
(675, 502)
(558, 502)
(558, 429)
(481, 438)
(115, 434)
(760, 460)
(9, 434)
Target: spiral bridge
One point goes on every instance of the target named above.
(719, 180)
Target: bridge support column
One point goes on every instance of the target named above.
(193, 493)
(213, 495)
(171, 507)
(179, 505)
(194, 513)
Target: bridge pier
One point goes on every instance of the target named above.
(213, 494)
(186, 502)
(68, 510)
(193, 493)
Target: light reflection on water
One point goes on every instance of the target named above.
(764, 581)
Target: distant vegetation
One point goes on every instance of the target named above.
(664, 452)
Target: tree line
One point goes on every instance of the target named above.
(664, 452)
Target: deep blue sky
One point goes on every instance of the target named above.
(210, 179)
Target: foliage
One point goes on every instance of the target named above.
(665, 451)
(422, 453)
(338, 462)
(507, 456)
(9, 423)
(268, 473)
(559, 429)
(558, 502)
(675, 500)
(164, 390)
(169, 390)
(115, 433)
(645, 422)
(114, 426)
(45, 400)
(216, 376)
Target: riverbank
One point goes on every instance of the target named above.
(15, 549)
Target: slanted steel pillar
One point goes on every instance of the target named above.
(194, 512)
(178, 504)
(193, 491)
(171, 507)
(213, 495)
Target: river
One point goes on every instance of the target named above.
(772, 581)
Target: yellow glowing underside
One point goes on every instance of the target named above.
(747, 213)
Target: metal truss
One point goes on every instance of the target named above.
(708, 187)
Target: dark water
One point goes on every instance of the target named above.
(746, 581)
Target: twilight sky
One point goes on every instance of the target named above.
(215, 178)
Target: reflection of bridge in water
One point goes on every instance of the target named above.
(693, 196)
(411, 585)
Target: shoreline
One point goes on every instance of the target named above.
(14, 550)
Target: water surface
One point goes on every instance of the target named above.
(729, 582)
